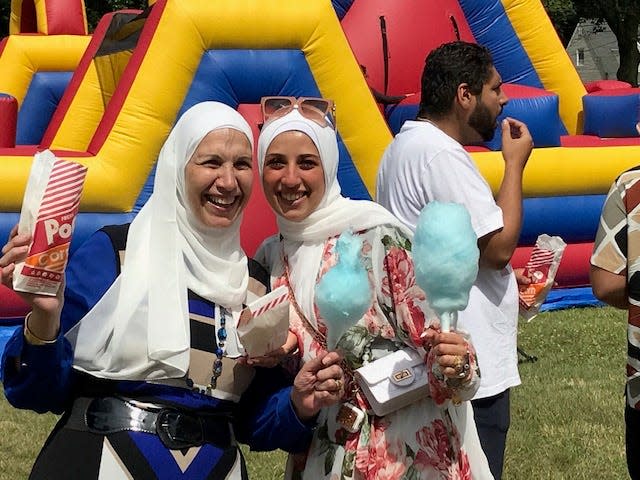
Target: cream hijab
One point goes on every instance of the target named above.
(139, 330)
(303, 242)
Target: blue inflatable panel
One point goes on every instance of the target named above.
(41, 100)
(341, 7)
(147, 190)
(541, 116)
(245, 76)
(539, 113)
(574, 218)
(491, 27)
(86, 224)
(396, 115)
(6, 332)
(611, 115)
(570, 297)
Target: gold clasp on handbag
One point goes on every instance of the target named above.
(403, 377)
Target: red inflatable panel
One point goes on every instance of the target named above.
(12, 305)
(616, 92)
(513, 90)
(61, 17)
(8, 121)
(476, 148)
(412, 28)
(574, 266)
(20, 150)
(598, 85)
(258, 221)
(28, 21)
(66, 17)
(593, 141)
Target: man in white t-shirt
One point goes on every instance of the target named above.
(461, 100)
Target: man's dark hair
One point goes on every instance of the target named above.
(446, 68)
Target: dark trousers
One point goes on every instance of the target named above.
(632, 440)
(492, 418)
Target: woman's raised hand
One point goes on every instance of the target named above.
(273, 358)
(45, 319)
(452, 354)
(319, 383)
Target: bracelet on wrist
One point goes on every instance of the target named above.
(32, 338)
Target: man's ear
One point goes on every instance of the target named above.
(464, 97)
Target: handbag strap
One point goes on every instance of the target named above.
(315, 333)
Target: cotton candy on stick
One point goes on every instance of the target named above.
(343, 295)
(445, 255)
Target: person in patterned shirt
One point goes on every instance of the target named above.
(615, 279)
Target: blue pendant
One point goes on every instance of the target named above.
(222, 334)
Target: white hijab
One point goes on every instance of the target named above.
(304, 241)
(139, 330)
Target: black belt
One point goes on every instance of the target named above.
(177, 429)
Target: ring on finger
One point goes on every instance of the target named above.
(458, 364)
(461, 366)
(339, 384)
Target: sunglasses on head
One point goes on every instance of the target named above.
(319, 110)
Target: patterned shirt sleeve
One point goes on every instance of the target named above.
(610, 247)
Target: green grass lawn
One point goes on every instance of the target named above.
(566, 417)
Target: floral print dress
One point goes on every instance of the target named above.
(429, 439)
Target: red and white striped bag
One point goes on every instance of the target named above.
(541, 270)
(264, 323)
(49, 208)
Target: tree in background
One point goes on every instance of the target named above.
(622, 16)
(95, 10)
(563, 17)
(5, 11)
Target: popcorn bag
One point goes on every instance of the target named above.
(49, 208)
(264, 324)
(541, 269)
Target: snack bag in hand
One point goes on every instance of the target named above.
(49, 209)
(264, 323)
(541, 269)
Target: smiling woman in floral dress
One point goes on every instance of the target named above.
(429, 439)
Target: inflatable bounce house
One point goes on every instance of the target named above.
(108, 101)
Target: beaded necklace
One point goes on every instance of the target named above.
(221, 334)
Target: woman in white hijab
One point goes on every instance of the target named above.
(143, 357)
(432, 438)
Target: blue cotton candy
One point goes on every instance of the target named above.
(445, 255)
(343, 295)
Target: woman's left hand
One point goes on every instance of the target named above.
(318, 384)
(273, 358)
(452, 354)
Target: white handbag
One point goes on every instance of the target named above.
(394, 381)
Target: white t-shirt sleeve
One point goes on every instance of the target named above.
(451, 176)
